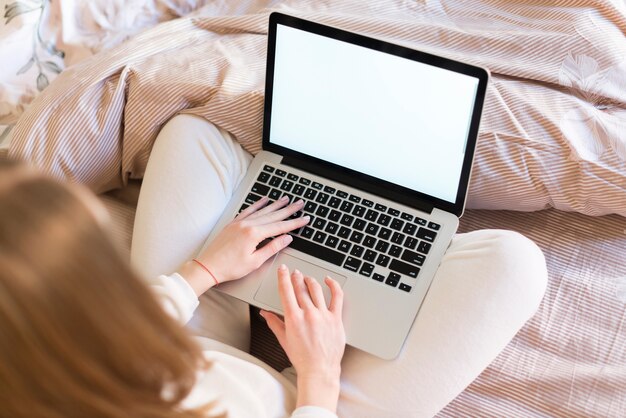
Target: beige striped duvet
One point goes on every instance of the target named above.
(554, 125)
(553, 135)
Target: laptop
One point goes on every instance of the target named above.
(378, 140)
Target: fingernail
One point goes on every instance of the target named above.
(300, 202)
(307, 217)
(284, 198)
(288, 239)
(283, 267)
(296, 271)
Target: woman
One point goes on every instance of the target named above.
(82, 336)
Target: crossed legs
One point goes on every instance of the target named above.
(488, 285)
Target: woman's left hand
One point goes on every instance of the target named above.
(234, 253)
(312, 335)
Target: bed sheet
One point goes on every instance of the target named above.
(40, 38)
(570, 358)
(553, 132)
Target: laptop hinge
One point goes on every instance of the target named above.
(358, 183)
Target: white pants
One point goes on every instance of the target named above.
(489, 283)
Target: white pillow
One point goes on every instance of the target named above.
(30, 60)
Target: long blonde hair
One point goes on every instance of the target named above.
(80, 334)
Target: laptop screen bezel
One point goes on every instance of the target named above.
(355, 178)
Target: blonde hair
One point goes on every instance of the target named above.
(80, 334)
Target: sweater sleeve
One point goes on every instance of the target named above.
(312, 412)
(176, 295)
(180, 301)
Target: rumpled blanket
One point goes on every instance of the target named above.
(553, 131)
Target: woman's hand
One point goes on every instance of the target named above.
(233, 253)
(312, 336)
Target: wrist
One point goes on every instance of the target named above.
(198, 278)
(212, 262)
(319, 389)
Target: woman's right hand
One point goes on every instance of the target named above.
(235, 250)
(312, 336)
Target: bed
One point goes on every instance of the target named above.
(550, 163)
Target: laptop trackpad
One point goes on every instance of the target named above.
(268, 291)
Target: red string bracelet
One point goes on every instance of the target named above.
(206, 269)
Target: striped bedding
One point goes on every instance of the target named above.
(570, 358)
(553, 136)
(554, 125)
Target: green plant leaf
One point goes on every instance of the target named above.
(26, 66)
(51, 66)
(15, 9)
(51, 48)
(42, 81)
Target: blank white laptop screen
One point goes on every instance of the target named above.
(393, 118)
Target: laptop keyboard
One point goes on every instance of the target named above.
(374, 240)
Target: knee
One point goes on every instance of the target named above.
(508, 265)
(185, 130)
(186, 138)
(522, 263)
